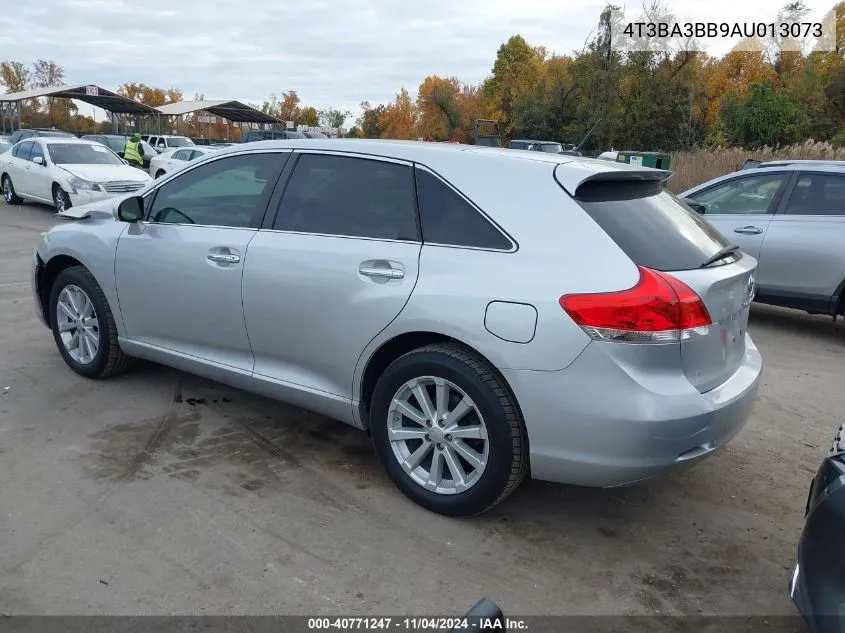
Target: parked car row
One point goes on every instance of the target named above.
(65, 172)
(177, 157)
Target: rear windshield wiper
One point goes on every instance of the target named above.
(728, 250)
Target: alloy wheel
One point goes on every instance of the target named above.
(59, 200)
(76, 320)
(7, 190)
(438, 435)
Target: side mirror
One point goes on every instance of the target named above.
(695, 206)
(38, 160)
(131, 210)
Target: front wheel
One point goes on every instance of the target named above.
(9, 194)
(447, 430)
(61, 201)
(83, 325)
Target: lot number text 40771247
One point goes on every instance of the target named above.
(415, 624)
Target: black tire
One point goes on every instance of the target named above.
(61, 201)
(507, 462)
(109, 359)
(9, 191)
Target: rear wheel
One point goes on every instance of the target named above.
(9, 194)
(448, 431)
(83, 325)
(61, 201)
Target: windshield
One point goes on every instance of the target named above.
(82, 154)
(179, 141)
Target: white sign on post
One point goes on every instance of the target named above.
(92, 91)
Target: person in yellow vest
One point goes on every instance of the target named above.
(133, 153)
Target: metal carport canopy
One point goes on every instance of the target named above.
(95, 95)
(235, 111)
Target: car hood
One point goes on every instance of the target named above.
(107, 173)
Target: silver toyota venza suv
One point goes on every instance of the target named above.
(482, 313)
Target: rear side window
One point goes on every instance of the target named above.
(352, 197)
(818, 194)
(447, 218)
(650, 224)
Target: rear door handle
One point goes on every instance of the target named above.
(227, 258)
(748, 230)
(389, 273)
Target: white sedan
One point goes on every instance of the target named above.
(65, 172)
(177, 157)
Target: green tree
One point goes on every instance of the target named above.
(308, 116)
(370, 120)
(765, 117)
(516, 71)
(332, 117)
(15, 76)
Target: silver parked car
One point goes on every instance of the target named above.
(482, 313)
(790, 216)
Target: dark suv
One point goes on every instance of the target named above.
(270, 135)
(115, 142)
(19, 135)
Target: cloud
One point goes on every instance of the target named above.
(333, 53)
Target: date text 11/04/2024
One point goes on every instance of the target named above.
(723, 29)
(417, 624)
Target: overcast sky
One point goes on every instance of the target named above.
(332, 52)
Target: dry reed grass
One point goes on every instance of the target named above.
(693, 168)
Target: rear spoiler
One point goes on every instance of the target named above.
(576, 173)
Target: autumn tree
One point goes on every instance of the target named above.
(148, 95)
(439, 106)
(15, 76)
(399, 119)
(308, 116)
(370, 120)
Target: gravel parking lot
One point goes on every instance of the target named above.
(160, 493)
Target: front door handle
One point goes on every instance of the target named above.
(748, 230)
(389, 273)
(226, 258)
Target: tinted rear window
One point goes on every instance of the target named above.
(650, 224)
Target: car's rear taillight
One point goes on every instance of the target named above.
(659, 309)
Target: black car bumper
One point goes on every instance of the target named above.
(817, 582)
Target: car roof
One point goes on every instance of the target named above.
(800, 162)
(525, 140)
(571, 170)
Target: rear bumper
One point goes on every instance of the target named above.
(601, 423)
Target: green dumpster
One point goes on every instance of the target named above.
(644, 159)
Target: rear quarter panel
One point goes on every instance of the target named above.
(560, 250)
